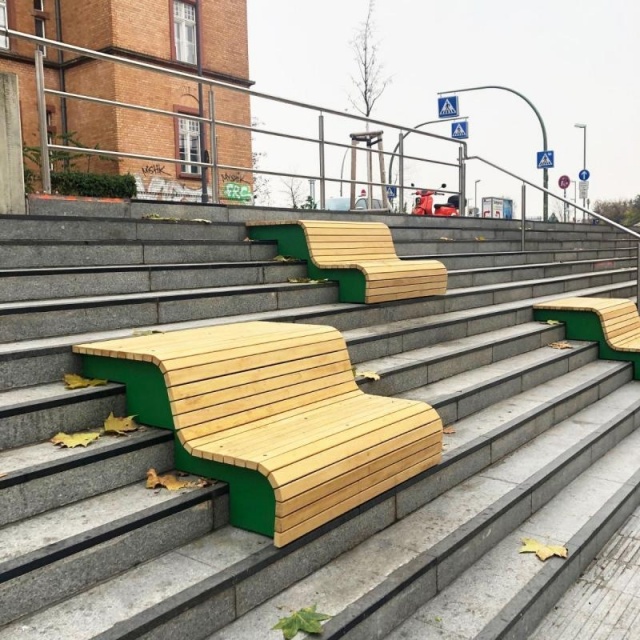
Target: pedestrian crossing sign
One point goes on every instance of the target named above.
(460, 130)
(545, 160)
(448, 107)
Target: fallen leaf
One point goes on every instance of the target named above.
(543, 551)
(445, 238)
(306, 620)
(448, 430)
(307, 281)
(552, 322)
(370, 375)
(120, 426)
(144, 332)
(72, 440)
(480, 238)
(286, 259)
(170, 482)
(560, 345)
(74, 381)
(3, 475)
(202, 220)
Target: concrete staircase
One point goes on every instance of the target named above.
(543, 442)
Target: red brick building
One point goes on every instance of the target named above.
(167, 33)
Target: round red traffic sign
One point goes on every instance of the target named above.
(564, 182)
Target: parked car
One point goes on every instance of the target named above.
(342, 204)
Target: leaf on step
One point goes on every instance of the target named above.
(74, 381)
(3, 475)
(448, 430)
(445, 238)
(157, 216)
(552, 322)
(202, 220)
(307, 620)
(560, 345)
(247, 239)
(306, 281)
(370, 375)
(480, 238)
(543, 551)
(144, 332)
(170, 482)
(120, 426)
(72, 440)
(285, 259)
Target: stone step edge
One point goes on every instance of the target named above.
(198, 594)
(62, 549)
(520, 616)
(61, 399)
(83, 458)
(62, 304)
(485, 526)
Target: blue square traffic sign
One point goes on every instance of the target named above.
(448, 107)
(544, 160)
(460, 130)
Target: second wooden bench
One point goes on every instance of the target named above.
(360, 255)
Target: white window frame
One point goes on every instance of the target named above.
(189, 146)
(4, 40)
(36, 22)
(185, 31)
(38, 5)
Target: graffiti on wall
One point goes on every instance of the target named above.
(154, 170)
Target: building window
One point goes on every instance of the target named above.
(184, 31)
(40, 32)
(4, 40)
(38, 5)
(189, 145)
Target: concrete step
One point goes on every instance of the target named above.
(583, 517)
(39, 477)
(38, 412)
(49, 557)
(230, 575)
(372, 331)
(65, 282)
(431, 556)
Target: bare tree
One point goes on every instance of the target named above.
(370, 82)
(293, 189)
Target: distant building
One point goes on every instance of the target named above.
(160, 33)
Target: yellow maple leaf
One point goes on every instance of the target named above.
(543, 551)
(74, 381)
(370, 375)
(448, 430)
(560, 345)
(120, 426)
(71, 440)
(169, 481)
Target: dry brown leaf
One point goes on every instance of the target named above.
(543, 551)
(445, 238)
(560, 345)
(448, 430)
(74, 381)
(3, 475)
(370, 375)
(120, 426)
(551, 322)
(144, 332)
(285, 259)
(170, 482)
(71, 440)
(480, 238)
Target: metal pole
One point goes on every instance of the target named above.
(322, 166)
(584, 162)
(203, 148)
(401, 173)
(524, 214)
(462, 205)
(214, 148)
(545, 172)
(45, 166)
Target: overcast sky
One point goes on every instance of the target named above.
(576, 60)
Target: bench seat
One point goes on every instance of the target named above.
(360, 255)
(612, 322)
(274, 410)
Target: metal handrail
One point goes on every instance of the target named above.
(604, 219)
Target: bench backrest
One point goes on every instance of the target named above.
(334, 243)
(222, 377)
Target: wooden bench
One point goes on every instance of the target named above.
(612, 322)
(274, 410)
(359, 255)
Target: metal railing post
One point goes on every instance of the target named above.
(45, 166)
(400, 173)
(462, 205)
(322, 165)
(214, 150)
(524, 213)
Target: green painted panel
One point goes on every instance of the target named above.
(147, 395)
(252, 502)
(586, 325)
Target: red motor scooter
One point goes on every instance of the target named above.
(424, 204)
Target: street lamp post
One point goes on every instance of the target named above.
(545, 172)
(475, 194)
(584, 155)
